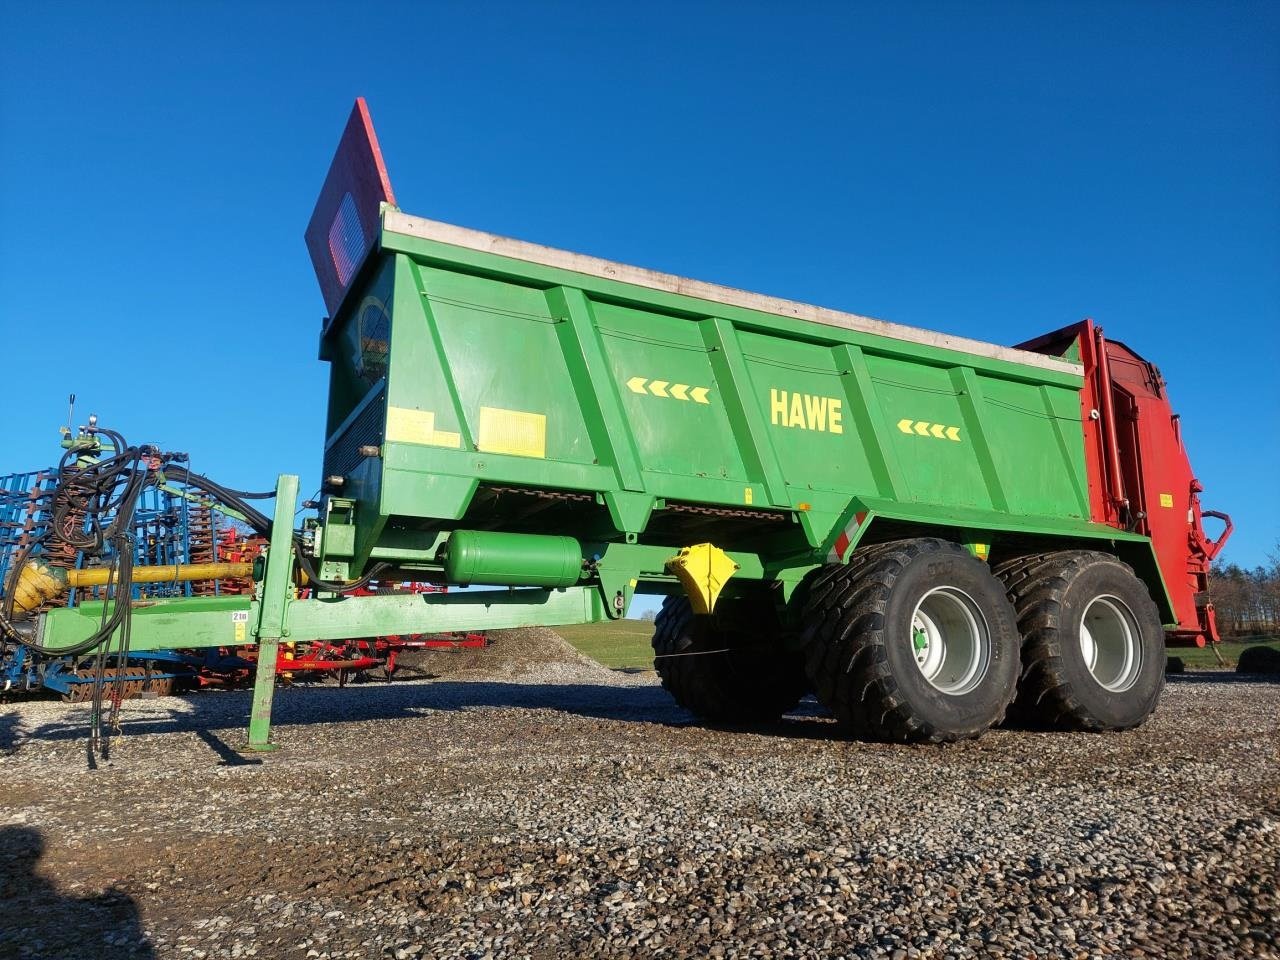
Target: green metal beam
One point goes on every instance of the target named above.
(186, 622)
(745, 417)
(340, 618)
(277, 589)
(988, 520)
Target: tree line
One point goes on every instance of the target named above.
(1247, 602)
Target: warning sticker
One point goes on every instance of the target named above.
(406, 425)
(517, 432)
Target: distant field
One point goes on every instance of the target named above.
(1197, 658)
(619, 644)
(624, 644)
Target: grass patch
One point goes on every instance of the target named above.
(1202, 658)
(618, 644)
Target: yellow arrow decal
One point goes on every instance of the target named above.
(927, 428)
(668, 390)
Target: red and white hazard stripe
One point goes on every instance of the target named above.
(846, 537)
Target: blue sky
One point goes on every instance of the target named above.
(992, 170)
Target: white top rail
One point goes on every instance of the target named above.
(394, 221)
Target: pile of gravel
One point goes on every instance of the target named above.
(508, 654)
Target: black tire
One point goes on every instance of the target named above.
(860, 623)
(1052, 593)
(754, 680)
(1259, 659)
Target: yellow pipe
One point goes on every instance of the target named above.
(170, 573)
(39, 583)
(36, 584)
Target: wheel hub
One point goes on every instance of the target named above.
(1111, 643)
(950, 642)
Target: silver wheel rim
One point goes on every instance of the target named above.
(950, 642)
(1111, 643)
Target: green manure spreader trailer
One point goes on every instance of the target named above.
(924, 531)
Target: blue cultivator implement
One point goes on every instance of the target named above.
(168, 529)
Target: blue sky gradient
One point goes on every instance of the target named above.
(987, 169)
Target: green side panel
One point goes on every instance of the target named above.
(601, 401)
(1044, 478)
(479, 377)
(915, 397)
(504, 352)
(798, 389)
(670, 399)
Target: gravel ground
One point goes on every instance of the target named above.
(567, 811)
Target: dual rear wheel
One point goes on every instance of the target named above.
(916, 640)
(1093, 646)
(911, 640)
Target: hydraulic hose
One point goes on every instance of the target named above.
(262, 525)
(108, 491)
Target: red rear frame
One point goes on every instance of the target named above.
(1140, 478)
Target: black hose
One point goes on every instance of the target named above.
(335, 586)
(265, 495)
(262, 525)
(112, 487)
(256, 519)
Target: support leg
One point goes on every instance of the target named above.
(274, 593)
(264, 687)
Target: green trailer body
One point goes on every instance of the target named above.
(484, 383)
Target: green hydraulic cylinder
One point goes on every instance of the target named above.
(522, 559)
